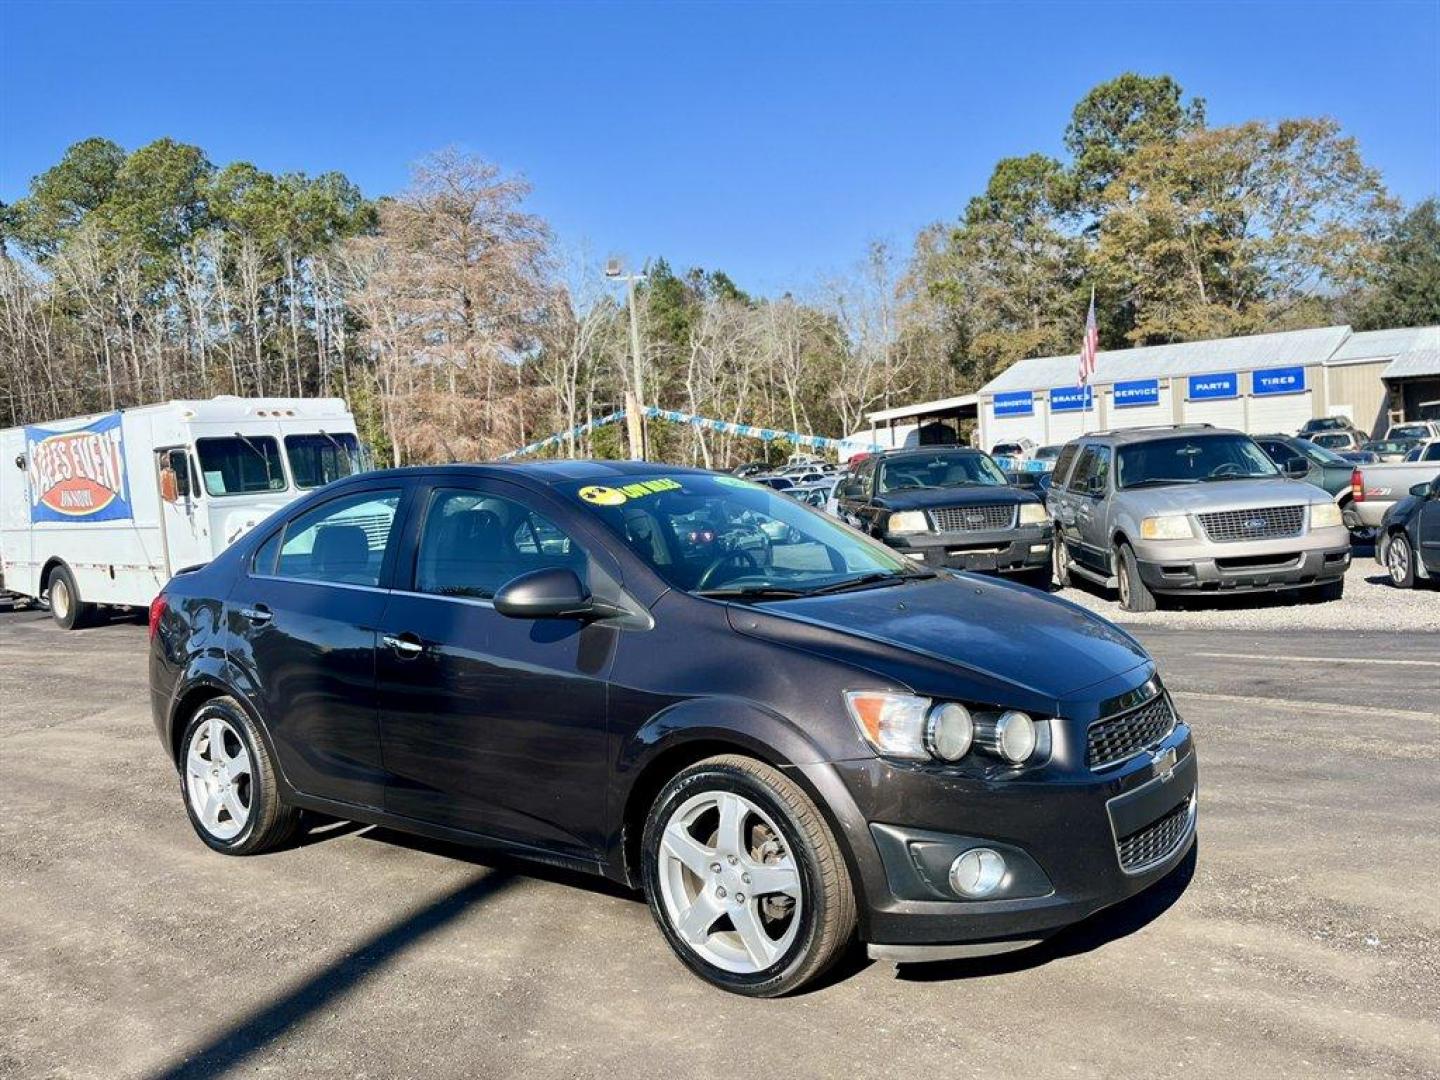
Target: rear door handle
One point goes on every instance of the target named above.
(406, 646)
(259, 614)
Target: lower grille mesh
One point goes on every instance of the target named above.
(1157, 840)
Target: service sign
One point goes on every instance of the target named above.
(1015, 403)
(1136, 392)
(1280, 380)
(1071, 398)
(78, 475)
(1206, 387)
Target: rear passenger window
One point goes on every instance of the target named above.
(472, 543)
(1084, 469)
(341, 542)
(1063, 463)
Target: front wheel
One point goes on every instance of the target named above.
(1059, 563)
(1135, 595)
(66, 607)
(1400, 561)
(745, 878)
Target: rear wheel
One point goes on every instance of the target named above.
(228, 782)
(745, 878)
(1400, 561)
(1135, 595)
(66, 607)
(1059, 563)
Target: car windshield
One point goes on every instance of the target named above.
(240, 465)
(1331, 439)
(1414, 431)
(938, 471)
(1329, 423)
(1191, 460)
(1319, 454)
(1048, 453)
(316, 460)
(722, 536)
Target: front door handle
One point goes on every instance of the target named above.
(407, 646)
(259, 614)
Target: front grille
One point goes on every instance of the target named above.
(1156, 840)
(974, 518)
(1116, 738)
(1266, 523)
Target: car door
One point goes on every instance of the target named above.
(1428, 530)
(1091, 543)
(1058, 501)
(302, 634)
(492, 724)
(853, 493)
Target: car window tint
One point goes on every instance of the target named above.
(342, 541)
(264, 560)
(1432, 452)
(472, 542)
(1084, 469)
(1063, 463)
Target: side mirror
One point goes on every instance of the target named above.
(1422, 490)
(169, 485)
(1095, 485)
(553, 593)
(1297, 468)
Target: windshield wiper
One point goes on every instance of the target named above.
(263, 459)
(1237, 476)
(1156, 481)
(883, 577)
(755, 592)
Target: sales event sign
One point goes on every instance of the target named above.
(1137, 392)
(1204, 387)
(1071, 398)
(1015, 403)
(1280, 380)
(78, 475)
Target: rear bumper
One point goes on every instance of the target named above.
(1240, 572)
(1026, 547)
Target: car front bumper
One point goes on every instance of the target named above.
(1015, 550)
(1060, 836)
(1201, 566)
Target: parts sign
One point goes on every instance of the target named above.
(79, 474)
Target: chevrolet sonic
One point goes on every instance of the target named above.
(786, 733)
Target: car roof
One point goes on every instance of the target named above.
(545, 472)
(1124, 436)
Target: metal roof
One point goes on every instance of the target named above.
(1186, 358)
(1383, 344)
(963, 403)
(1417, 363)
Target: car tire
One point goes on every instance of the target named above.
(1059, 564)
(228, 782)
(1400, 561)
(1135, 595)
(68, 610)
(768, 943)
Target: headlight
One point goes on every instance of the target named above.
(1013, 736)
(908, 521)
(1033, 514)
(893, 724)
(949, 731)
(1325, 515)
(1170, 527)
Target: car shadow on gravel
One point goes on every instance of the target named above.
(1118, 921)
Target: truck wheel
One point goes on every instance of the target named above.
(66, 607)
(1400, 561)
(1060, 563)
(1135, 595)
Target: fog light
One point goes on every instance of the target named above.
(1036, 549)
(977, 873)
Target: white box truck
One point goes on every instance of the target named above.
(104, 509)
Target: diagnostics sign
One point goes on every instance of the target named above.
(79, 474)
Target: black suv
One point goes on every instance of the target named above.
(949, 507)
(787, 734)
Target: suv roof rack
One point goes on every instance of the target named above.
(1150, 427)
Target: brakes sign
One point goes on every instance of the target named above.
(78, 475)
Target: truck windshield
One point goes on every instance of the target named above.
(1192, 460)
(316, 460)
(938, 471)
(240, 465)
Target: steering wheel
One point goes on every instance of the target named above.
(737, 556)
(1226, 468)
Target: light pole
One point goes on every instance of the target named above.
(634, 408)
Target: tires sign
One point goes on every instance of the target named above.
(1286, 380)
(79, 474)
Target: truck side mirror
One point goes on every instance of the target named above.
(1296, 468)
(1095, 485)
(169, 485)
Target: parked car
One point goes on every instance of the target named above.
(1048, 454)
(1014, 451)
(1340, 441)
(1326, 424)
(1377, 487)
(783, 752)
(1407, 543)
(816, 494)
(948, 506)
(779, 483)
(1415, 430)
(1390, 449)
(1323, 468)
(750, 468)
(1191, 510)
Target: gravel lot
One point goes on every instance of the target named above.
(1370, 603)
(1305, 941)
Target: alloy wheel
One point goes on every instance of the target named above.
(729, 883)
(218, 778)
(1397, 560)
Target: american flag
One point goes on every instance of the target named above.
(1091, 344)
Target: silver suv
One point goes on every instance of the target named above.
(1190, 510)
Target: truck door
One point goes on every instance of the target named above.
(184, 529)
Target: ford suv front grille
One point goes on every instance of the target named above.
(1116, 738)
(1156, 841)
(1267, 523)
(974, 518)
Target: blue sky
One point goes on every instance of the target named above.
(769, 140)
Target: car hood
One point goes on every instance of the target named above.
(991, 629)
(1223, 495)
(928, 498)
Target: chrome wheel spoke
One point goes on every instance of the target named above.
(761, 948)
(729, 838)
(694, 926)
(238, 766)
(216, 732)
(767, 879)
(679, 843)
(233, 805)
(210, 809)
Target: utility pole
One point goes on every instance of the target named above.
(635, 400)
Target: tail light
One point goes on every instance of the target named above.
(158, 607)
(1357, 485)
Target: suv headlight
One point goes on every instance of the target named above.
(908, 521)
(1325, 515)
(1169, 527)
(1033, 514)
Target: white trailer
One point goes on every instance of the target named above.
(104, 509)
